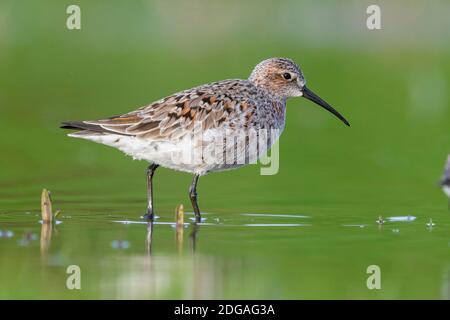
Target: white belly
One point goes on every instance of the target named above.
(446, 190)
(199, 155)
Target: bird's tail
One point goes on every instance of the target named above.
(81, 125)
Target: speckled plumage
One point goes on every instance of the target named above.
(219, 110)
(235, 104)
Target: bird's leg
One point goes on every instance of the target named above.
(150, 171)
(193, 196)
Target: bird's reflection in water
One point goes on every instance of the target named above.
(193, 237)
(179, 233)
(149, 238)
(161, 271)
(445, 290)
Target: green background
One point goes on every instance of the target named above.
(391, 84)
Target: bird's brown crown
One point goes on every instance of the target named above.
(281, 77)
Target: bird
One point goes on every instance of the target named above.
(210, 118)
(445, 180)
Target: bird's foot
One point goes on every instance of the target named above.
(198, 217)
(149, 216)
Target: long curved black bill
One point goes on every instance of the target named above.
(308, 94)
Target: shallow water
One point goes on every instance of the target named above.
(229, 255)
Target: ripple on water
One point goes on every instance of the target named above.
(147, 222)
(401, 218)
(277, 225)
(355, 225)
(274, 215)
(218, 222)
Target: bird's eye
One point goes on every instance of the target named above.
(287, 76)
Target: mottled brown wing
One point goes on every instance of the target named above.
(176, 115)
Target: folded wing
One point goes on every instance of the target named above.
(174, 116)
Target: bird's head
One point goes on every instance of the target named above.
(283, 78)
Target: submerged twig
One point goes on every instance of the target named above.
(46, 207)
(380, 220)
(430, 224)
(179, 215)
(48, 219)
(179, 227)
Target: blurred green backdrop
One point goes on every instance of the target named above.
(391, 84)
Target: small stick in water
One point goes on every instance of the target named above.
(46, 207)
(179, 227)
(380, 220)
(47, 219)
(179, 216)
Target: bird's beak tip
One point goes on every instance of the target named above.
(308, 94)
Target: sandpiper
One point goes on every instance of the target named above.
(161, 131)
(445, 180)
